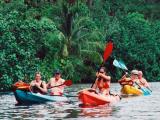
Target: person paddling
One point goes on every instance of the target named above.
(38, 85)
(131, 80)
(102, 82)
(54, 83)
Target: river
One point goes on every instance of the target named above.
(129, 108)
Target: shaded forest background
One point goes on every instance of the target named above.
(43, 35)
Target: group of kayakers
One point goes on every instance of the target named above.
(37, 85)
(102, 82)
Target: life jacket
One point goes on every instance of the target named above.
(126, 81)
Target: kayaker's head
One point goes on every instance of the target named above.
(38, 76)
(134, 74)
(140, 74)
(102, 70)
(57, 74)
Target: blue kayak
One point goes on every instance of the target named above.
(25, 97)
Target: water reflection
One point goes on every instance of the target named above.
(96, 112)
(137, 108)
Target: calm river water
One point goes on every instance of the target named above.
(131, 108)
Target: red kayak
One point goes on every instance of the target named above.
(91, 97)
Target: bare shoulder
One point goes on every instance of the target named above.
(33, 81)
(44, 82)
(51, 79)
(62, 80)
(108, 77)
(144, 79)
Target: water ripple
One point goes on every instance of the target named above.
(137, 108)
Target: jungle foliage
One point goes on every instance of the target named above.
(43, 35)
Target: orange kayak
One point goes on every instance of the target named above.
(91, 97)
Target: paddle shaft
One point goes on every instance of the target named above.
(56, 86)
(67, 83)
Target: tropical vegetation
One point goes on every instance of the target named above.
(43, 35)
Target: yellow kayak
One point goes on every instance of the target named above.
(130, 90)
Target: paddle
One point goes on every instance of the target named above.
(121, 65)
(20, 85)
(67, 83)
(106, 54)
(108, 51)
(24, 88)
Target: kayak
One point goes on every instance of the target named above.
(26, 97)
(91, 97)
(130, 90)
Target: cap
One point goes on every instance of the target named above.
(57, 71)
(135, 72)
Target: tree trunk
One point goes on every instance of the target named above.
(89, 3)
(7, 1)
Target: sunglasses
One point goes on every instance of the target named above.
(57, 73)
(134, 74)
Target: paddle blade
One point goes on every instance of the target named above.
(108, 51)
(145, 91)
(24, 88)
(68, 82)
(119, 64)
(19, 85)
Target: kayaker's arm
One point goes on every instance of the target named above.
(32, 83)
(124, 77)
(48, 85)
(43, 88)
(104, 76)
(144, 82)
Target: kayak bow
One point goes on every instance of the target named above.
(91, 97)
(25, 97)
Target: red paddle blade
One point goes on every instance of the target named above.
(68, 82)
(25, 88)
(20, 85)
(108, 50)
